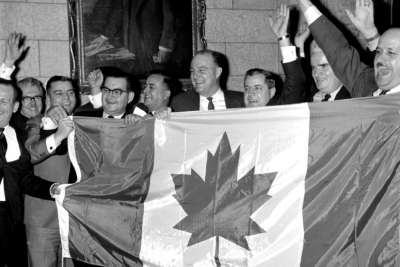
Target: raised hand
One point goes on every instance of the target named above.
(279, 21)
(56, 114)
(15, 47)
(302, 34)
(95, 79)
(363, 18)
(132, 119)
(65, 127)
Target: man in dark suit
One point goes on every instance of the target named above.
(206, 70)
(47, 146)
(32, 104)
(116, 93)
(359, 78)
(16, 178)
(330, 88)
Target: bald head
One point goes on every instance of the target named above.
(387, 60)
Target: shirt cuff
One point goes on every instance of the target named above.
(51, 144)
(95, 100)
(162, 48)
(5, 72)
(312, 14)
(288, 54)
(48, 124)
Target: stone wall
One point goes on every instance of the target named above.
(240, 29)
(45, 24)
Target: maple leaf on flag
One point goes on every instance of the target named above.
(221, 205)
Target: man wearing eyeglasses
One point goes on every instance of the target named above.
(116, 93)
(47, 146)
(31, 104)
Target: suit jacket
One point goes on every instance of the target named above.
(344, 59)
(18, 122)
(342, 94)
(19, 179)
(190, 101)
(294, 87)
(55, 167)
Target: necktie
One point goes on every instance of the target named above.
(110, 117)
(326, 98)
(210, 103)
(383, 92)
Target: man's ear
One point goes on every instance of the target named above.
(219, 72)
(167, 94)
(16, 106)
(272, 92)
(48, 103)
(131, 95)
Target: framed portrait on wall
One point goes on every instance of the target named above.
(137, 36)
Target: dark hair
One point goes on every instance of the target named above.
(13, 85)
(216, 56)
(173, 84)
(115, 72)
(269, 76)
(58, 78)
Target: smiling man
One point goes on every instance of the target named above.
(157, 92)
(31, 105)
(205, 73)
(16, 179)
(359, 78)
(116, 93)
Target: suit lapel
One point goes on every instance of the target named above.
(342, 94)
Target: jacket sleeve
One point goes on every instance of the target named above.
(344, 59)
(295, 83)
(36, 145)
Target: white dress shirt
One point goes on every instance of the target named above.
(391, 91)
(218, 99)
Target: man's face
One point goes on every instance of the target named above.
(387, 60)
(204, 74)
(256, 91)
(156, 93)
(324, 77)
(62, 94)
(115, 96)
(7, 104)
(32, 100)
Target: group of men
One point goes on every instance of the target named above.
(35, 122)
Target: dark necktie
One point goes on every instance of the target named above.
(210, 103)
(110, 117)
(383, 92)
(3, 149)
(326, 98)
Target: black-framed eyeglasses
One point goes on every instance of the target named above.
(114, 92)
(29, 99)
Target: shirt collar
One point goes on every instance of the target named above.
(394, 90)
(105, 115)
(218, 95)
(334, 93)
